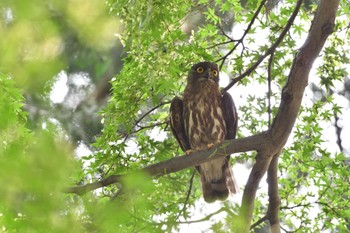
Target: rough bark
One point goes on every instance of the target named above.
(292, 94)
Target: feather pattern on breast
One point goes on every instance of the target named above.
(207, 119)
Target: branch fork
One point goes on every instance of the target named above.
(268, 144)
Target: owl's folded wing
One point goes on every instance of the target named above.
(177, 123)
(230, 115)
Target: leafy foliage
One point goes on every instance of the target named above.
(161, 40)
(35, 166)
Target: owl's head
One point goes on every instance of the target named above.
(204, 71)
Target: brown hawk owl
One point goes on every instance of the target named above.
(204, 118)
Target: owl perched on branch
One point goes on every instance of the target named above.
(202, 119)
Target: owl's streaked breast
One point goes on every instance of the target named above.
(204, 122)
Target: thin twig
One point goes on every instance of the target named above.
(150, 111)
(257, 223)
(338, 131)
(188, 194)
(310, 204)
(286, 231)
(150, 126)
(240, 41)
(225, 34)
(206, 218)
(221, 43)
(270, 50)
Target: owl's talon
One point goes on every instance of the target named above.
(189, 151)
(210, 145)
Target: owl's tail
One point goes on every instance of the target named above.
(220, 189)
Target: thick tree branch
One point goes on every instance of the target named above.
(181, 162)
(293, 91)
(246, 212)
(274, 198)
(269, 79)
(292, 95)
(267, 143)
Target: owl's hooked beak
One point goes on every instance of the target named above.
(210, 75)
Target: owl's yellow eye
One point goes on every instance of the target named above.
(200, 70)
(215, 73)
